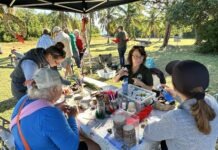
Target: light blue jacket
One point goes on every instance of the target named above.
(179, 129)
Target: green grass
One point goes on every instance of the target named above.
(99, 46)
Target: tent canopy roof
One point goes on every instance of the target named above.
(79, 6)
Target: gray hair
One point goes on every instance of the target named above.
(77, 30)
(48, 94)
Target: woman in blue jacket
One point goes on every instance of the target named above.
(46, 128)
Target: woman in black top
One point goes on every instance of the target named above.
(137, 73)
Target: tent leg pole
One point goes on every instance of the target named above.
(88, 48)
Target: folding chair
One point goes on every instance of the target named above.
(6, 138)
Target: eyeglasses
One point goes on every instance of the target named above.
(137, 57)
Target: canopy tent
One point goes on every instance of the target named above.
(79, 6)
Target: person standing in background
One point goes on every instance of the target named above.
(60, 36)
(74, 47)
(79, 43)
(45, 40)
(121, 40)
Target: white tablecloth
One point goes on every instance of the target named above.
(96, 130)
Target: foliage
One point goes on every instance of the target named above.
(10, 24)
(210, 37)
(106, 19)
(95, 31)
(36, 22)
(195, 13)
(129, 15)
(153, 23)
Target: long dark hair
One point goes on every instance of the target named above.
(141, 50)
(56, 51)
(191, 78)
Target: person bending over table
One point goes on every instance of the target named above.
(46, 128)
(194, 125)
(21, 77)
(137, 73)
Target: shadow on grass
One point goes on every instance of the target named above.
(5, 63)
(7, 66)
(4, 59)
(7, 104)
(97, 45)
(102, 79)
(109, 50)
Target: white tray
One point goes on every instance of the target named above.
(140, 96)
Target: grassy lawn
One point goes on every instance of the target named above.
(185, 50)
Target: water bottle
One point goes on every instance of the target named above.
(167, 96)
(125, 86)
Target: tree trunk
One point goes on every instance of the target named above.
(197, 37)
(108, 13)
(108, 39)
(167, 34)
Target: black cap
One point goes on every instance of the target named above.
(169, 67)
(191, 78)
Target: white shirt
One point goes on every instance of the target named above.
(45, 41)
(65, 39)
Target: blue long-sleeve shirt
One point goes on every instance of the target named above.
(47, 129)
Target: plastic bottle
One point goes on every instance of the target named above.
(125, 86)
(100, 112)
(167, 96)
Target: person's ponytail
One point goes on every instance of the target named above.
(203, 114)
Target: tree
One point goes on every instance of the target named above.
(13, 26)
(153, 23)
(203, 16)
(163, 5)
(129, 16)
(193, 12)
(106, 18)
(62, 19)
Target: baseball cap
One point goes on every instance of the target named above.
(46, 77)
(56, 29)
(169, 67)
(190, 76)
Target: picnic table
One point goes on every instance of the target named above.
(143, 42)
(97, 130)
